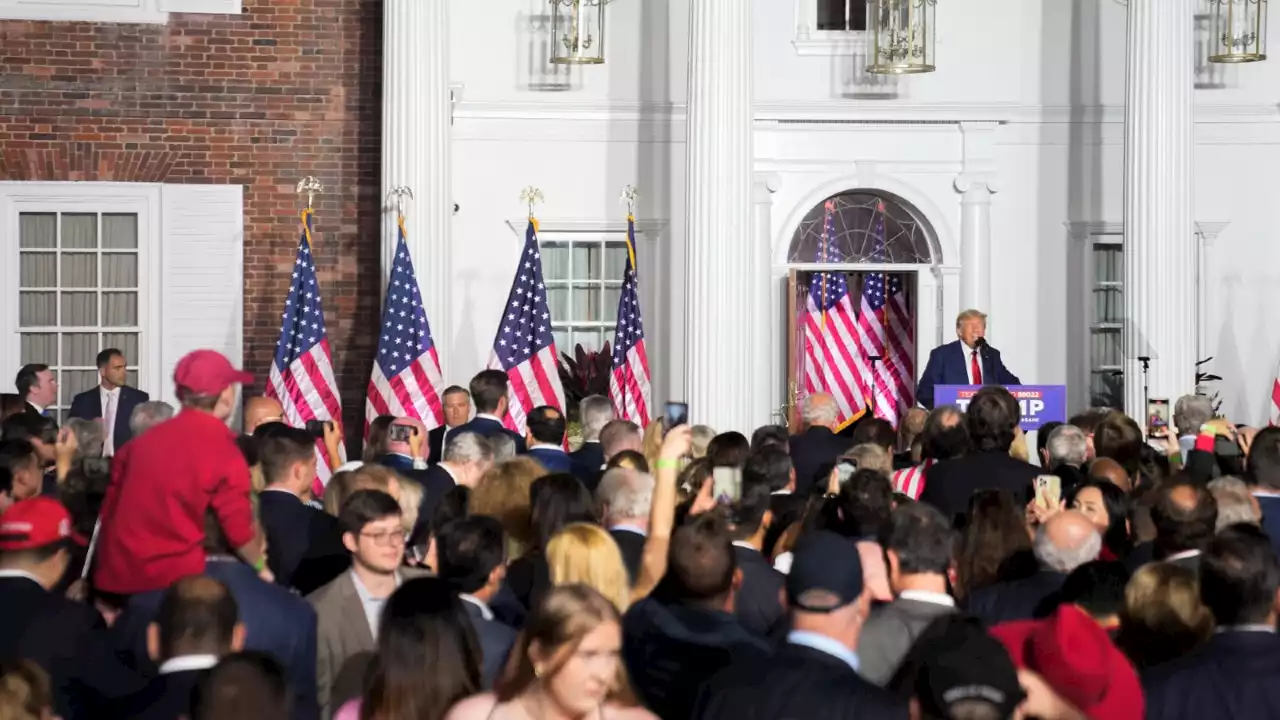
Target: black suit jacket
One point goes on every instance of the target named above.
(496, 640)
(1025, 599)
(166, 697)
(797, 682)
(948, 365)
(813, 454)
(588, 460)
(631, 545)
(1231, 676)
(88, 406)
(435, 444)
(70, 641)
(759, 604)
(304, 545)
(953, 482)
(486, 427)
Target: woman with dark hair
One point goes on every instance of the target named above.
(729, 449)
(1110, 510)
(11, 404)
(555, 501)
(375, 445)
(428, 657)
(996, 546)
(566, 664)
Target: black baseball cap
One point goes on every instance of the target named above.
(826, 573)
(955, 661)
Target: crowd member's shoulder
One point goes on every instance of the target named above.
(326, 591)
(476, 707)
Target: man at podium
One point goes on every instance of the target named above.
(967, 361)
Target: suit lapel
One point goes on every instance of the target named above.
(359, 634)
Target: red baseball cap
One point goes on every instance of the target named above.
(35, 523)
(207, 372)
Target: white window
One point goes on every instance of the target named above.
(583, 272)
(78, 293)
(1106, 328)
(112, 11)
(830, 27)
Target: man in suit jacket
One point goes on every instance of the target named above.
(470, 556)
(489, 393)
(1233, 674)
(759, 601)
(196, 624)
(544, 439)
(37, 387)
(467, 457)
(594, 412)
(111, 400)
(918, 543)
(625, 497)
(992, 421)
(1185, 515)
(966, 361)
(457, 410)
(814, 451)
(67, 639)
(815, 672)
(1063, 543)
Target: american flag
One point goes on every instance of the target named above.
(406, 380)
(885, 329)
(1275, 399)
(629, 380)
(831, 362)
(524, 348)
(910, 481)
(301, 377)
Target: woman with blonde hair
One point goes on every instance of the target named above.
(503, 493)
(369, 476)
(1163, 618)
(566, 664)
(25, 692)
(652, 443)
(583, 553)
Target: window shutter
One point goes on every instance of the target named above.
(226, 7)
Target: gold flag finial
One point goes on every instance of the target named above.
(312, 187)
(396, 196)
(629, 195)
(531, 196)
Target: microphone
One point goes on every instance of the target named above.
(980, 343)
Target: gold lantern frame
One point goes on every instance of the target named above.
(1237, 31)
(901, 36)
(577, 32)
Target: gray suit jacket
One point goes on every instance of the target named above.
(890, 632)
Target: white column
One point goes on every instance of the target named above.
(976, 183)
(766, 377)
(720, 346)
(1159, 242)
(416, 115)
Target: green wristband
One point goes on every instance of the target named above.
(667, 463)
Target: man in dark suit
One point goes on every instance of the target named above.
(992, 421)
(1185, 515)
(470, 556)
(1233, 674)
(196, 624)
(1063, 543)
(457, 411)
(966, 361)
(759, 601)
(815, 672)
(489, 393)
(685, 631)
(625, 497)
(467, 457)
(111, 400)
(594, 412)
(305, 544)
(814, 451)
(38, 387)
(67, 639)
(770, 465)
(544, 439)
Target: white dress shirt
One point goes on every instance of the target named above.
(485, 611)
(372, 605)
(187, 663)
(110, 400)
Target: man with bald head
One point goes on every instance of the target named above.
(1109, 470)
(1064, 542)
(814, 451)
(1185, 515)
(261, 410)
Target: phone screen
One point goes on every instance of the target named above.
(1157, 416)
(400, 433)
(677, 414)
(726, 485)
(845, 470)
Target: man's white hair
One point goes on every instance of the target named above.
(90, 437)
(595, 411)
(625, 493)
(819, 409)
(1190, 412)
(503, 446)
(1235, 504)
(149, 414)
(1066, 559)
(468, 447)
(1067, 445)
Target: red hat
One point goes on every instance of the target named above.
(1078, 660)
(207, 372)
(35, 523)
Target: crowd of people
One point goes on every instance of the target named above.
(942, 569)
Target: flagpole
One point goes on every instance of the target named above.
(396, 196)
(531, 196)
(312, 187)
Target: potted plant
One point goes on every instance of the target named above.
(585, 373)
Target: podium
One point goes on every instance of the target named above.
(1040, 403)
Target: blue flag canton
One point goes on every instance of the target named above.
(303, 317)
(630, 328)
(406, 335)
(526, 323)
(828, 288)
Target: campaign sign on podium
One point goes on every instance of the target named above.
(1040, 403)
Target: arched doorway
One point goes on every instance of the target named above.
(862, 290)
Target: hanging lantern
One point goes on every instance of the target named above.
(900, 36)
(577, 32)
(1238, 31)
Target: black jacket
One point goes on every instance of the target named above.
(1231, 676)
(953, 482)
(813, 454)
(305, 549)
(165, 697)
(759, 603)
(1024, 599)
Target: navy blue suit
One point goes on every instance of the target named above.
(88, 406)
(275, 621)
(496, 640)
(1231, 676)
(488, 427)
(553, 459)
(948, 365)
(305, 549)
(166, 697)
(590, 460)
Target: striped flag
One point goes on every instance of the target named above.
(406, 379)
(831, 359)
(1275, 399)
(910, 481)
(524, 348)
(629, 380)
(301, 377)
(886, 330)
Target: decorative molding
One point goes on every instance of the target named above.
(1086, 230)
(765, 185)
(843, 44)
(980, 172)
(1209, 231)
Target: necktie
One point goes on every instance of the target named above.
(976, 367)
(109, 423)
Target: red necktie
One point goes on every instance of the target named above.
(976, 367)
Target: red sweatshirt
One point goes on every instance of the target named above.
(162, 485)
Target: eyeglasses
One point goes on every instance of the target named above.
(385, 539)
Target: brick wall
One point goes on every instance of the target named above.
(261, 99)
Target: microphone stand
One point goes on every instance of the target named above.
(874, 359)
(1146, 388)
